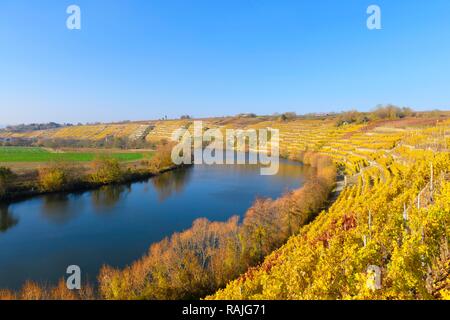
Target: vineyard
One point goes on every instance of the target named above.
(385, 236)
(87, 132)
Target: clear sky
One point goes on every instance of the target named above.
(143, 59)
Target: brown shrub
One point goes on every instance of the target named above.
(190, 264)
(7, 295)
(32, 291)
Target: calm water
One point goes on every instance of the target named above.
(115, 225)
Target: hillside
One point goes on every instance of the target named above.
(88, 132)
(385, 236)
(393, 216)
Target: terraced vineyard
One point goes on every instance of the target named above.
(87, 132)
(386, 235)
(393, 216)
(163, 129)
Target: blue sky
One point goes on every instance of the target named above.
(145, 59)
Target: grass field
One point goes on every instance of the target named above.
(25, 154)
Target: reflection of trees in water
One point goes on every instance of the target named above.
(171, 182)
(108, 196)
(287, 169)
(7, 219)
(174, 181)
(56, 208)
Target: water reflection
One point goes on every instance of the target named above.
(7, 219)
(171, 182)
(108, 196)
(57, 208)
(116, 224)
(288, 170)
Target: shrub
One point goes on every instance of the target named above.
(288, 116)
(35, 291)
(32, 291)
(106, 170)
(7, 295)
(349, 117)
(392, 112)
(53, 178)
(187, 265)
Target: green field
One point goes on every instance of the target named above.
(26, 154)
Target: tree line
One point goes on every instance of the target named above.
(109, 142)
(381, 112)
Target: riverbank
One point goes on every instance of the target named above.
(33, 189)
(60, 176)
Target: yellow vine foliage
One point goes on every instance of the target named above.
(393, 214)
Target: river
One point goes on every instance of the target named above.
(115, 225)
